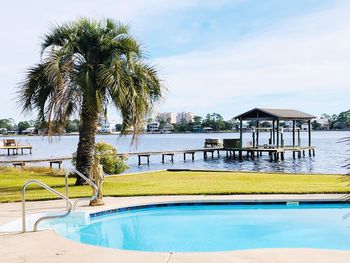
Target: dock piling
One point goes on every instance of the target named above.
(143, 155)
(189, 152)
(59, 162)
(168, 154)
(240, 155)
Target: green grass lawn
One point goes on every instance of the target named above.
(172, 183)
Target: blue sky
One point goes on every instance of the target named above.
(204, 27)
(223, 56)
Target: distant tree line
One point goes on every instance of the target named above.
(211, 122)
(338, 122)
(9, 125)
(215, 122)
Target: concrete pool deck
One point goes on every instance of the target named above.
(47, 246)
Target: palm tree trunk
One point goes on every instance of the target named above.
(86, 145)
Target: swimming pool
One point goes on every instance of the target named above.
(207, 227)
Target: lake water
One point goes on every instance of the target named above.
(330, 154)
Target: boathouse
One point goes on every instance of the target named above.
(275, 117)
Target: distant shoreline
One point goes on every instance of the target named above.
(149, 133)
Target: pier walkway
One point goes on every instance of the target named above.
(275, 154)
(12, 145)
(16, 149)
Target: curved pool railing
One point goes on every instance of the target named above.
(89, 181)
(69, 205)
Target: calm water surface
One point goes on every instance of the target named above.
(330, 154)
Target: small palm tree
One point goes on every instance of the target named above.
(87, 65)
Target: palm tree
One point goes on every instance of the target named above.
(87, 65)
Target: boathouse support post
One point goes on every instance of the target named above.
(294, 139)
(257, 134)
(241, 133)
(282, 139)
(278, 134)
(293, 133)
(273, 133)
(270, 140)
(254, 138)
(309, 131)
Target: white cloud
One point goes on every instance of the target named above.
(310, 55)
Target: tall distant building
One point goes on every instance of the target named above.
(172, 117)
(169, 117)
(188, 116)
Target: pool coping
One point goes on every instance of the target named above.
(136, 207)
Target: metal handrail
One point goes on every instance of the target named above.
(69, 204)
(89, 181)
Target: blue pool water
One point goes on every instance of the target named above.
(199, 228)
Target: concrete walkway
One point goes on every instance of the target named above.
(47, 246)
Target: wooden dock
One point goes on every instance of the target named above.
(274, 154)
(51, 161)
(16, 149)
(252, 152)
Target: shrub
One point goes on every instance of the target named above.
(108, 158)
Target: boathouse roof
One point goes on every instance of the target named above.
(274, 114)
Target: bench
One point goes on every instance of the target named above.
(10, 142)
(212, 143)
